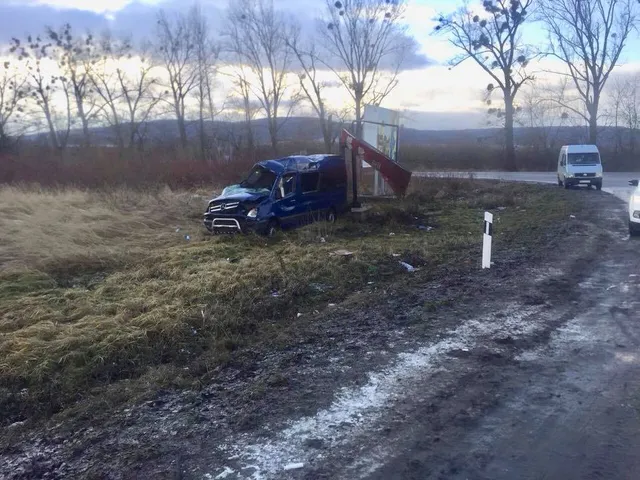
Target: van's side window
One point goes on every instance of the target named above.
(309, 182)
(332, 179)
(287, 185)
(564, 160)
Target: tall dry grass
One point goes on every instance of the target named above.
(51, 229)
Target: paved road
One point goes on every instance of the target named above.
(616, 183)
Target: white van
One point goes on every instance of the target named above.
(579, 165)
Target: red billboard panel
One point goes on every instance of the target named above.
(397, 177)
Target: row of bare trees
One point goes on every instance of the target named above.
(62, 80)
(587, 37)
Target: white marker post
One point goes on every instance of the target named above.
(486, 241)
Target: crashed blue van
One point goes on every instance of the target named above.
(281, 194)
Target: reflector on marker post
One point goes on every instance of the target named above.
(486, 240)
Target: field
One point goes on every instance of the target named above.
(106, 297)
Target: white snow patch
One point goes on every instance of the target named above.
(224, 474)
(355, 410)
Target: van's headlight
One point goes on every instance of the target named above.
(636, 214)
(253, 213)
(598, 174)
(569, 175)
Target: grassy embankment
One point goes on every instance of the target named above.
(104, 301)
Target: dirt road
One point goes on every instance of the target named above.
(524, 371)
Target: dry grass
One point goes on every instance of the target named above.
(101, 298)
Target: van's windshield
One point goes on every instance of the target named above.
(260, 178)
(584, 159)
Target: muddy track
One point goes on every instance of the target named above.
(397, 391)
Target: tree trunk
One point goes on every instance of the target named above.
(327, 128)
(273, 133)
(510, 150)
(358, 116)
(83, 119)
(182, 130)
(53, 134)
(593, 128)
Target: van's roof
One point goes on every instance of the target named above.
(302, 162)
(581, 148)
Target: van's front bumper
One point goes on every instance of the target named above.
(221, 224)
(583, 180)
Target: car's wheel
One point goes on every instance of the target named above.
(634, 229)
(559, 182)
(566, 185)
(599, 186)
(272, 228)
(331, 215)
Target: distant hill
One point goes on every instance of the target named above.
(308, 129)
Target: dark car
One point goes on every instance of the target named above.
(282, 193)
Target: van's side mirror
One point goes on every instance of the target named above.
(633, 183)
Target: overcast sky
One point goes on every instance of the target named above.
(434, 96)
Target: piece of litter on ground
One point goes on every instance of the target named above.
(332, 304)
(177, 230)
(395, 254)
(502, 208)
(322, 240)
(293, 466)
(572, 216)
(369, 283)
(275, 293)
(299, 315)
(187, 237)
(425, 227)
(610, 287)
(410, 268)
(633, 275)
(342, 253)
(392, 234)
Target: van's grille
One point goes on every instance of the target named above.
(585, 174)
(226, 207)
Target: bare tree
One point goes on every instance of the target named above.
(177, 48)
(257, 36)
(588, 36)
(207, 54)
(625, 106)
(366, 47)
(312, 87)
(128, 95)
(493, 40)
(46, 86)
(12, 93)
(73, 56)
(542, 115)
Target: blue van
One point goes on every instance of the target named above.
(281, 194)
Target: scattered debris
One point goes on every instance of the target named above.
(502, 208)
(299, 315)
(410, 268)
(187, 237)
(342, 253)
(293, 466)
(631, 275)
(322, 240)
(392, 234)
(395, 254)
(425, 227)
(233, 260)
(177, 230)
(275, 293)
(332, 304)
(572, 216)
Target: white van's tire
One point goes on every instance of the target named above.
(559, 182)
(634, 229)
(599, 186)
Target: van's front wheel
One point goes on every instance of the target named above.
(598, 186)
(272, 229)
(332, 216)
